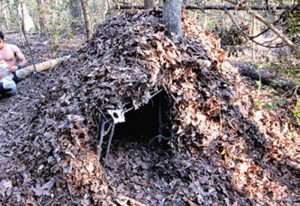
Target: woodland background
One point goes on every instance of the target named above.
(58, 21)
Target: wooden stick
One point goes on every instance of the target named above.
(112, 130)
(102, 133)
(100, 138)
(246, 35)
(26, 71)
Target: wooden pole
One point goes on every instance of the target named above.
(26, 71)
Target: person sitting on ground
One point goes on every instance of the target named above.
(11, 59)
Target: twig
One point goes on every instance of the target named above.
(100, 137)
(155, 93)
(283, 37)
(160, 121)
(276, 21)
(171, 96)
(272, 40)
(158, 136)
(221, 122)
(128, 110)
(110, 139)
(102, 133)
(105, 174)
(108, 129)
(70, 192)
(246, 35)
(295, 89)
(57, 198)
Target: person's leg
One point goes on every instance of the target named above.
(15, 78)
(4, 92)
(7, 89)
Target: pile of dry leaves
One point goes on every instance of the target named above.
(222, 149)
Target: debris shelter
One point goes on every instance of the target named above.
(222, 149)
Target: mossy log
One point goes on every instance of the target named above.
(267, 78)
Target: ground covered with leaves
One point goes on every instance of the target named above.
(224, 145)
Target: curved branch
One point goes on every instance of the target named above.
(276, 21)
(288, 42)
(246, 35)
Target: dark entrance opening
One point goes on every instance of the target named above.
(150, 125)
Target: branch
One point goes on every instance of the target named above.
(218, 7)
(288, 42)
(245, 34)
(276, 21)
(112, 130)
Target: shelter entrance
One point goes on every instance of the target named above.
(149, 125)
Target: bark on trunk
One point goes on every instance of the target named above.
(42, 16)
(172, 16)
(75, 13)
(87, 19)
(4, 20)
(148, 4)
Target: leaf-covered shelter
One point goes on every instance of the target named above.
(218, 141)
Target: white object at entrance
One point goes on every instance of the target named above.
(118, 115)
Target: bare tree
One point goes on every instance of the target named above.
(87, 19)
(172, 16)
(3, 20)
(75, 13)
(279, 34)
(148, 4)
(42, 16)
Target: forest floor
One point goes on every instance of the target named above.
(227, 172)
(31, 89)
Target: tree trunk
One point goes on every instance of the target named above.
(42, 16)
(3, 20)
(87, 19)
(107, 9)
(148, 4)
(172, 16)
(75, 13)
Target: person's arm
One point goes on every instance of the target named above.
(19, 55)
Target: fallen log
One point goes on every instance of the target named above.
(26, 71)
(267, 78)
(218, 7)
